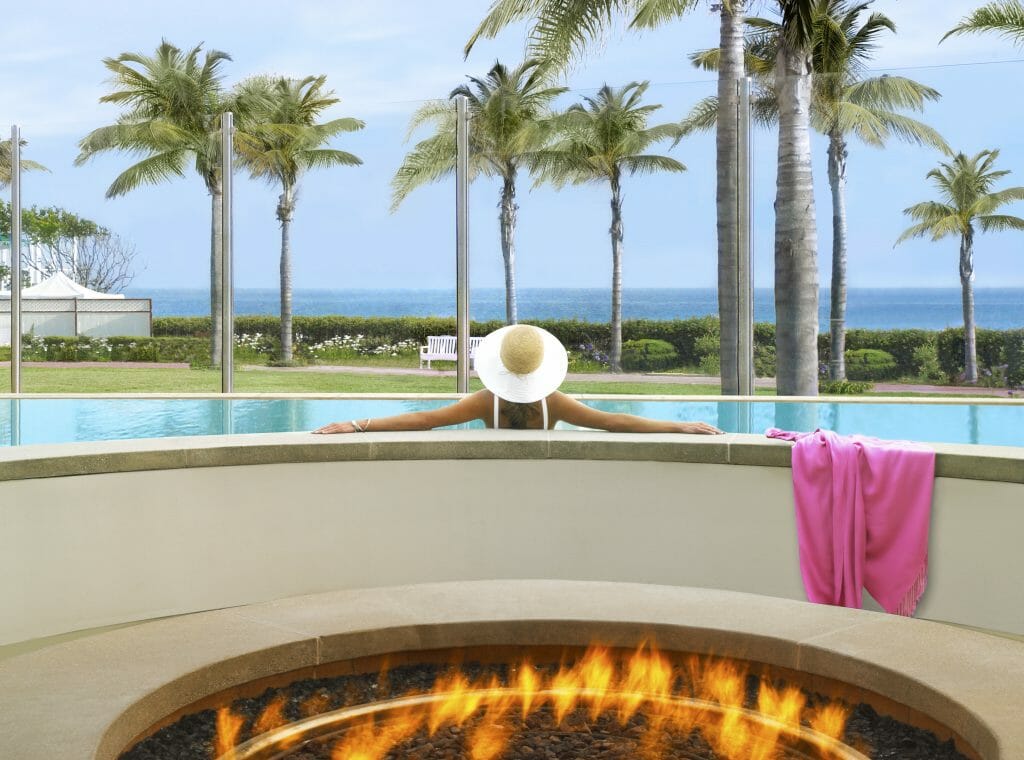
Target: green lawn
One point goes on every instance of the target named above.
(116, 379)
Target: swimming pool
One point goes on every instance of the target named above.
(64, 420)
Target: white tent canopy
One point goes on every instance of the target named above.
(59, 306)
(59, 285)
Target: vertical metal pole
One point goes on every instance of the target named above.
(15, 259)
(744, 246)
(227, 351)
(462, 242)
(15, 421)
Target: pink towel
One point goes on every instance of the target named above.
(863, 508)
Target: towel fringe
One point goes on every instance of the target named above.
(910, 599)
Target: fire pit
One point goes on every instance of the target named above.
(505, 670)
(597, 703)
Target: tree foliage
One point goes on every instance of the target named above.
(281, 136)
(606, 137)
(511, 116)
(560, 31)
(1004, 17)
(5, 162)
(964, 185)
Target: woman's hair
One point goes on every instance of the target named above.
(518, 415)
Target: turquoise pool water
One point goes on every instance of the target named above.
(28, 421)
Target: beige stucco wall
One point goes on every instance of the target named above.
(88, 550)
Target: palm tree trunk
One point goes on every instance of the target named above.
(615, 355)
(216, 242)
(508, 250)
(796, 237)
(837, 323)
(285, 211)
(967, 288)
(726, 198)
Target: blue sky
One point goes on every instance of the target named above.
(384, 58)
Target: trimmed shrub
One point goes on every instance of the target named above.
(926, 359)
(870, 364)
(648, 355)
(1014, 349)
(843, 387)
(900, 344)
(709, 356)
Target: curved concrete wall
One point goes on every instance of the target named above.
(95, 534)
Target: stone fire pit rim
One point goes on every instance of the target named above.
(87, 699)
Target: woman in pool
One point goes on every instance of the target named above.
(521, 367)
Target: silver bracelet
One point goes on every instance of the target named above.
(367, 425)
(359, 428)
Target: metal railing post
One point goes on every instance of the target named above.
(15, 259)
(744, 245)
(462, 242)
(227, 352)
(15, 422)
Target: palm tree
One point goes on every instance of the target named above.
(561, 31)
(967, 200)
(173, 103)
(796, 230)
(510, 112)
(1005, 18)
(730, 71)
(605, 138)
(5, 163)
(844, 103)
(284, 141)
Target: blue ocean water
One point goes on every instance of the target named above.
(878, 308)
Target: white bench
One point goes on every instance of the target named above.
(444, 348)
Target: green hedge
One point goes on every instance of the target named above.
(914, 351)
(648, 355)
(950, 346)
(115, 349)
(870, 364)
(900, 344)
(1014, 348)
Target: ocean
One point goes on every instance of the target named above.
(876, 308)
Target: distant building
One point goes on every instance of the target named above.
(60, 306)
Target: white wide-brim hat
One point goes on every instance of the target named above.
(546, 356)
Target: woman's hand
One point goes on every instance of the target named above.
(698, 428)
(336, 427)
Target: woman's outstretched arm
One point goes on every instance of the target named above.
(471, 407)
(572, 411)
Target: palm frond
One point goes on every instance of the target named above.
(891, 92)
(430, 160)
(650, 164)
(875, 126)
(1000, 223)
(929, 211)
(703, 117)
(654, 13)
(439, 113)
(995, 200)
(1005, 18)
(149, 171)
(325, 158)
(6, 159)
(501, 14)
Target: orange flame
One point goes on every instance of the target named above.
(598, 683)
(229, 726)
